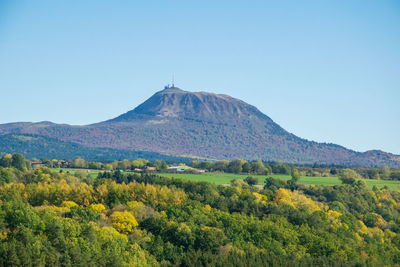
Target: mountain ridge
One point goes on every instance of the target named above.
(206, 125)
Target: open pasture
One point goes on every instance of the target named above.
(226, 178)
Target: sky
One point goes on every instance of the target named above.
(327, 71)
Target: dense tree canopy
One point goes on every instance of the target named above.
(50, 218)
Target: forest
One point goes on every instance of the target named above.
(117, 218)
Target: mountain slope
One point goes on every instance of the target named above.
(32, 146)
(202, 124)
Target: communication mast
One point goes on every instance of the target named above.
(173, 83)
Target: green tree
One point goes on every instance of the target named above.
(5, 176)
(221, 165)
(251, 180)
(236, 166)
(163, 165)
(274, 184)
(348, 176)
(18, 162)
(385, 173)
(258, 167)
(206, 165)
(82, 214)
(194, 164)
(79, 163)
(295, 176)
(93, 165)
(395, 175)
(246, 168)
(139, 163)
(6, 161)
(124, 164)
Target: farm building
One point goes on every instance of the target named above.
(37, 164)
(151, 169)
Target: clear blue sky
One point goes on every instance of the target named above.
(327, 71)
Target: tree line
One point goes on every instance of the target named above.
(237, 166)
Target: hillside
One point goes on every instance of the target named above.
(200, 124)
(32, 146)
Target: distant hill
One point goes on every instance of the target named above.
(200, 124)
(44, 147)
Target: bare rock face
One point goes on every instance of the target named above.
(202, 124)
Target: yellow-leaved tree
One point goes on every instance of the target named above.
(123, 221)
(97, 207)
(296, 200)
(68, 204)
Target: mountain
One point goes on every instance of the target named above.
(201, 124)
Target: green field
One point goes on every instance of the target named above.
(226, 178)
(93, 173)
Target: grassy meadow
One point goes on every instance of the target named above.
(226, 178)
(93, 173)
